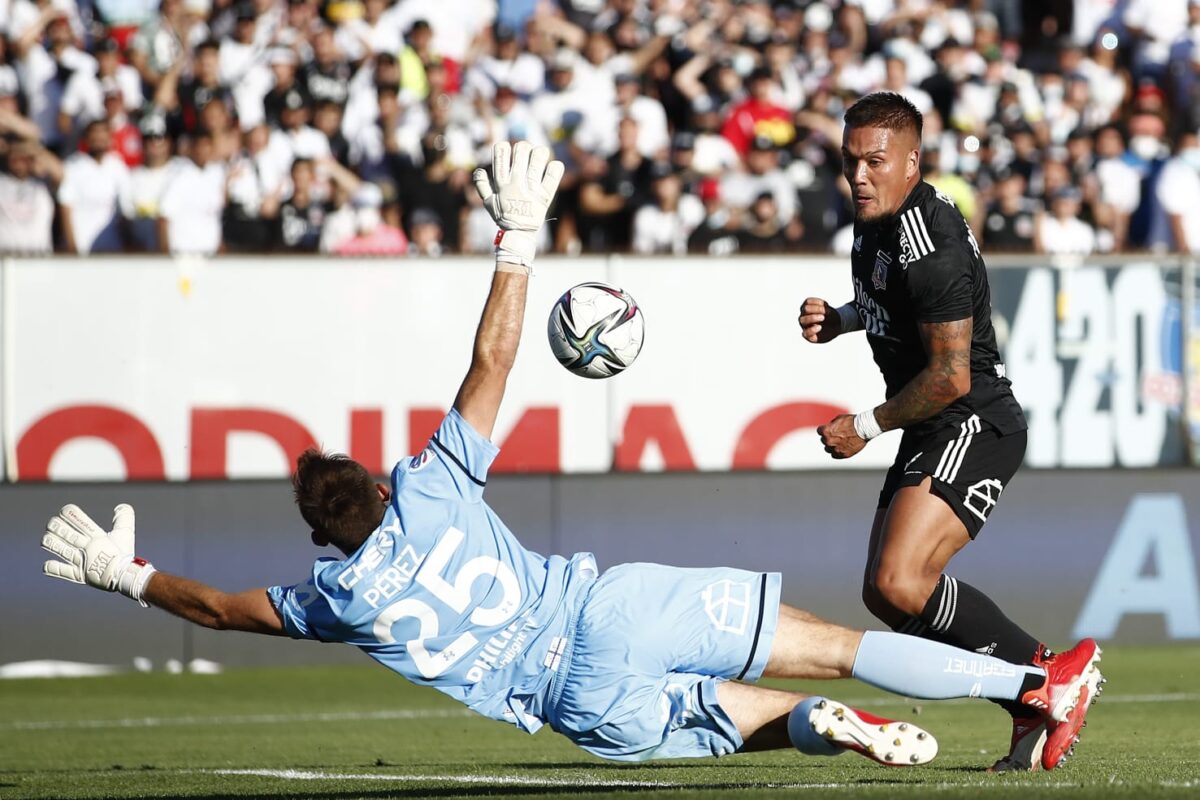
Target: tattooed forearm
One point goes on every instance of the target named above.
(945, 378)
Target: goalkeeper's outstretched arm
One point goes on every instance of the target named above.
(517, 195)
(250, 611)
(86, 553)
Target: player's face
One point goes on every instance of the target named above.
(881, 167)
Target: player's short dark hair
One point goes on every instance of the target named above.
(337, 498)
(887, 110)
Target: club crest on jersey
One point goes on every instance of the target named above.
(879, 276)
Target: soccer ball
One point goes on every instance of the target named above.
(595, 330)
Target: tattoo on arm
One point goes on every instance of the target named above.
(945, 378)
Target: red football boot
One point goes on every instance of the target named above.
(1068, 674)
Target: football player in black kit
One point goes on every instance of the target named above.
(921, 294)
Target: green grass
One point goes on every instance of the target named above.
(384, 738)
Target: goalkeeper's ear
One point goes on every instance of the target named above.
(318, 539)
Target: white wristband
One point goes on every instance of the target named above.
(866, 426)
(132, 581)
(516, 247)
(851, 321)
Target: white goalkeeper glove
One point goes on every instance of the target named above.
(517, 195)
(92, 556)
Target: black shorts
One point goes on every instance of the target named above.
(970, 463)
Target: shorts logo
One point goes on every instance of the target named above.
(981, 497)
(879, 276)
(727, 605)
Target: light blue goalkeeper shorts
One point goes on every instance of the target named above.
(652, 643)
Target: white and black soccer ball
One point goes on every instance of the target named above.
(595, 330)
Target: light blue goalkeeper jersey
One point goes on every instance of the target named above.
(443, 593)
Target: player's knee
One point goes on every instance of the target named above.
(901, 591)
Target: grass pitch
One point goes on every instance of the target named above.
(353, 732)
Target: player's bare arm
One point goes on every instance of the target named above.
(494, 353)
(204, 605)
(517, 195)
(946, 377)
(86, 553)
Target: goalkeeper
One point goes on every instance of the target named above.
(643, 661)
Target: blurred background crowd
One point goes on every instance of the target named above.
(703, 126)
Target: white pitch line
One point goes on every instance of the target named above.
(244, 719)
(453, 713)
(610, 783)
(505, 780)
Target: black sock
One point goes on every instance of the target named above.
(961, 615)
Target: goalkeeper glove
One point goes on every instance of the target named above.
(517, 195)
(90, 555)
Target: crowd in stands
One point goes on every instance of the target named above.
(702, 126)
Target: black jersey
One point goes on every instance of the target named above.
(923, 265)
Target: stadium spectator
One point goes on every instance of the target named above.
(1061, 232)
(367, 82)
(26, 205)
(761, 231)
(147, 184)
(243, 65)
(1178, 191)
(252, 194)
(663, 225)
(94, 186)
(427, 234)
(716, 235)
(613, 191)
(1119, 185)
(85, 93)
(298, 228)
(1010, 223)
(44, 44)
(193, 202)
(740, 190)
(758, 115)
(373, 236)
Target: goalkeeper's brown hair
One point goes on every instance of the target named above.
(337, 498)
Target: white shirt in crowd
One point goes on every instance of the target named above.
(147, 185)
(95, 191)
(43, 89)
(525, 75)
(243, 68)
(1161, 21)
(26, 216)
(598, 133)
(1179, 192)
(1067, 237)
(714, 155)
(454, 24)
(656, 230)
(83, 96)
(740, 190)
(192, 205)
(1120, 184)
